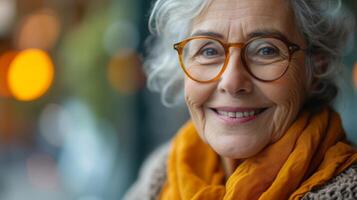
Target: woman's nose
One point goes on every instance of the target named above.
(235, 80)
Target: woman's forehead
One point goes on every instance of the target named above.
(242, 17)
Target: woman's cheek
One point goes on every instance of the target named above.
(289, 101)
(196, 95)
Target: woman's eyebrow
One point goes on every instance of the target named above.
(265, 32)
(257, 33)
(207, 33)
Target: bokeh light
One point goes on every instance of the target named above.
(5, 61)
(125, 73)
(39, 30)
(30, 74)
(53, 123)
(90, 149)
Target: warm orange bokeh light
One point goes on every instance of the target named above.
(30, 74)
(125, 73)
(39, 30)
(5, 61)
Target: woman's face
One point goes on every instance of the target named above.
(213, 105)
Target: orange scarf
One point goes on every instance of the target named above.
(310, 153)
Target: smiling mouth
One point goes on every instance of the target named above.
(247, 113)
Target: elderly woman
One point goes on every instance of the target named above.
(258, 79)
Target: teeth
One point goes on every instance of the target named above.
(237, 114)
(246, 114)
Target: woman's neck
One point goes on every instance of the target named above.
(230, 165)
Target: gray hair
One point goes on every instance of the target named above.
(324, 24)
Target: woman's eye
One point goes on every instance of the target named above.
(268, 51)
(209, 52)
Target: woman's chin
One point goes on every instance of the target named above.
(236, 147)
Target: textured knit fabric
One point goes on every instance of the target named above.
(344, 186)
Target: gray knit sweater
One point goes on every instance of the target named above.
(153, 175)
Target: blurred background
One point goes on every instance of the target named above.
(76, 119)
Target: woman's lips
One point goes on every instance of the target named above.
(237, 115)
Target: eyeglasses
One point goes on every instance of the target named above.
(205, 58)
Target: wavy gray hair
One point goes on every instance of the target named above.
(325, 25)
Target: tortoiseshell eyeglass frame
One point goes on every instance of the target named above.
(292, 47)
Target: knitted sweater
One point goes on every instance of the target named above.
(153, 175)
